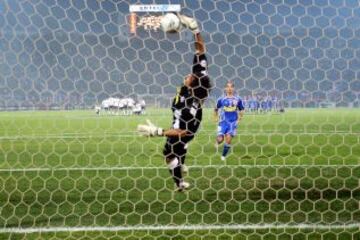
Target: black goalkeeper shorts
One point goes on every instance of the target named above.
(176, 147)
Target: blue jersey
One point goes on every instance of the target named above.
(229, 108)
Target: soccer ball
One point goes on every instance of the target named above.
(170, 23)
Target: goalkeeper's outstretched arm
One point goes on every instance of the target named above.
(151, 130)
(193, 26)
(175, 133)
(199, 44)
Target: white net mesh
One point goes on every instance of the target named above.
(73, 174)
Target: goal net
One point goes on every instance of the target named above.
(72, 165)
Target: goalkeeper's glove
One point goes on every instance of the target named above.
(149, 129)
(189, 22)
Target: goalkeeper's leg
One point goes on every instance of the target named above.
(174, 166)
(174, 153)
(184, 168)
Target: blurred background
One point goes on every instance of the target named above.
(74, 54)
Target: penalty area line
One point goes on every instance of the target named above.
(163, 167)
(180, 228)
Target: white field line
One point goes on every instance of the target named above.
(164, 167)
(134, 134)
(181, 228)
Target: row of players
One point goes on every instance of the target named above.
(261, 104)
(129, 106)
(121, 106)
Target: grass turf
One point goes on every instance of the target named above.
(255, 185)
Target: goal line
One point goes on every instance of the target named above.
(181, 228)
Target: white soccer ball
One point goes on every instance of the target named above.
(170, 23)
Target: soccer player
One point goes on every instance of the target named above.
(186, 108)
(143, 106)
(137, 109)
(232, 111)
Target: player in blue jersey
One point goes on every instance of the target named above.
(228, 112)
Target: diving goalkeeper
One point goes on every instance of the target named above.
(186, 108)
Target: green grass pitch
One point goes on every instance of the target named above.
(75, 169)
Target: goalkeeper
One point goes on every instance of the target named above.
(186, 108)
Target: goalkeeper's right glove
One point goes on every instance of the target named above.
(189, 22)
(149, 129)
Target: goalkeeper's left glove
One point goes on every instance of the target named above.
(189, 22)
(149, 129)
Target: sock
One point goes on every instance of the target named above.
(176, 174)
(226, 149)
(175, 170)
(182, 159)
